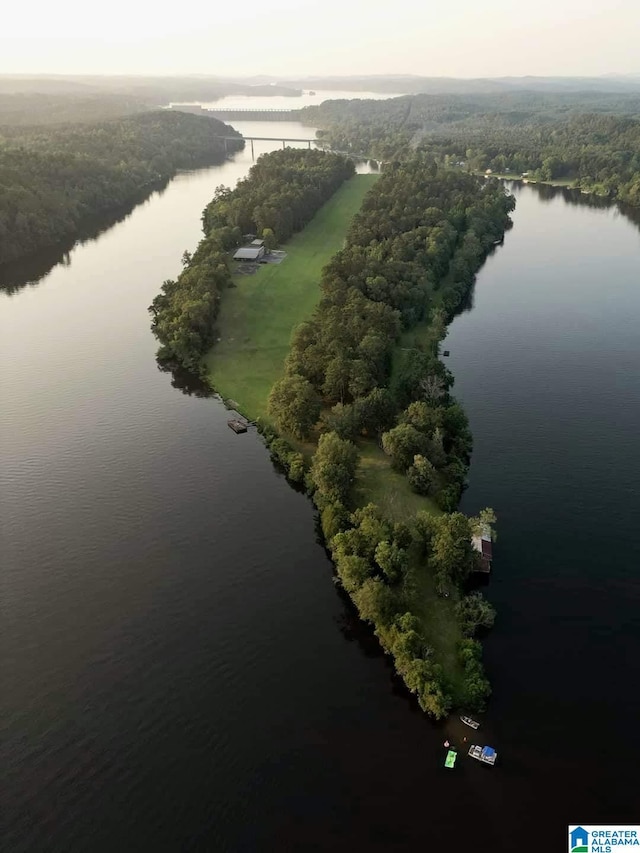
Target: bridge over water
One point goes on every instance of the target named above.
(255, 114)
(252, 139)
(232, 114)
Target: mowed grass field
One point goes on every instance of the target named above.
(258, 315)
(255, 324)
(377, 483)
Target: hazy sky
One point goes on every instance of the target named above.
(460, 38)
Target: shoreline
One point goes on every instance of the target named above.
(314, 354)
(258, 315)
(390, 499)
(561, 183)
(127, 193)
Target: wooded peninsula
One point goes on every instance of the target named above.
(54, 179)
(363, 407)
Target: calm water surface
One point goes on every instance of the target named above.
(179, 672)
(282, 102)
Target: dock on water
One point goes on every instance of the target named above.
(237, 425)
(450, 760)
(483, 545)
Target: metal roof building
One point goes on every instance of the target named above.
(483, 546)
(249, 253)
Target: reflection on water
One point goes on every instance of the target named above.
(185, 381)
(32, 269)
(179, 672)
(283, 102)
(576, 197)
(547, 366)
(29, 270)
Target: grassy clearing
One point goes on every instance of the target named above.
(377, 482)
(259, 314)
(439, 625)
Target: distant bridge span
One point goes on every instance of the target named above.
(269, 138)
(232, 114)
(252, 111)
(252, 139)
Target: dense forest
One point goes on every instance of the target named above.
(53, 179)
(152, 92)
(281, 193)
(411, 84)
(411, 257)
(591, 140)
(19, 109)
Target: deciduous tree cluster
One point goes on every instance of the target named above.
(591, 139)
(280, 195)
(411, 254)
(54, 179)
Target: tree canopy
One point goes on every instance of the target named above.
(591, 139)
(281, 193)
(54, 179)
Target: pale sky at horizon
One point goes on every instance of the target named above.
(466, 38)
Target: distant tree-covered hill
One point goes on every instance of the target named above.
(19, 109)
(153, 91)
(411, 84)
(588, 138)
(54, 179)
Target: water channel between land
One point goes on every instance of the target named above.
(178, 670)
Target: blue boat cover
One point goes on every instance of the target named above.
(488, 751)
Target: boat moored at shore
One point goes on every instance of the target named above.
(485, 754)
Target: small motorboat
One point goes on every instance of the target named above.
(469, 722)
(485, 754)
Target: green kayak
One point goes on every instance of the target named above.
(450, 760)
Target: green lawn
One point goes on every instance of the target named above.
(377, 482)
(259, 314)
(440, 626)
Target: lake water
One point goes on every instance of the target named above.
(178, 670)
(282, 102)
(547, 365)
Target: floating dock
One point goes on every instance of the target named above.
(483, 545)
(450, 760)
(237, 425)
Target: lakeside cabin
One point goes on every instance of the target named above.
(483, 545)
